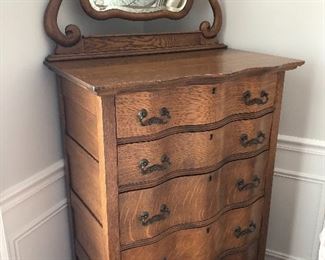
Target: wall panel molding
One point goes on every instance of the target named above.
(33, 226)
(4, 255)
(20, 192)
(301, 145)
(311, 151)
(45, 186)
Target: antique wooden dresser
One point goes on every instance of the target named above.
(170, 140)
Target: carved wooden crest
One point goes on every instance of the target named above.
(72, 43)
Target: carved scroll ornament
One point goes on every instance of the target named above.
(72, 33)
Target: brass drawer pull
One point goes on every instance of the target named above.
(162, 120)
(239, 232)
(249, 101)
(164, 213)
(245, 142)
(241, 185)
(145, 167)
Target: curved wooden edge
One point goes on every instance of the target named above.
(194, 225)
(190, 172)
(237, 250)
(208, 30)
(72, 32)
(195, 128)
(115, 13)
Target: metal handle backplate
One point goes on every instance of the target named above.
(240, 232)
(249, 101)
(145, 216)
(162, 120)
(241, 185)
(245, 142)
(146, 168)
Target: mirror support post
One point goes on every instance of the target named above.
(72, 33)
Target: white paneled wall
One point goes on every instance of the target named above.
(32, 194)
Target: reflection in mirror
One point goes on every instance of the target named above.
(139, 6)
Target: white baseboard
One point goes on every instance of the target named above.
(274, 255)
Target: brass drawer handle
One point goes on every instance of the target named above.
(145, 167)
(245, 142)
(162, 120)
(145, 220)
(239, 232)
(249, 101)
(241, 185)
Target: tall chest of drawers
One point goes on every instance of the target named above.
(171, 156)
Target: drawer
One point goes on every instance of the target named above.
(235, 229)
(146, 113)
(183, 201)
(143, 164)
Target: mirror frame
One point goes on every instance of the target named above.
(71, 44)
(116, 13)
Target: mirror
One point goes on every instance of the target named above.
(139, 6)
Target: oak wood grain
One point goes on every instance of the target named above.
(133, 45)
(80, 252)
(81, 126)
(270, 166)
(203, 243)
(188, 151)
(87, 230)
(80, 96)
(109, 175)
(198, 198)
(195, 105)
(195, 128)
(244, 253)
(84, 176)
(123, 74)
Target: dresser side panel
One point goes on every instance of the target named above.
(270, 166)
(109, 174)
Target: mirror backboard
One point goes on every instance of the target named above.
(139, 6)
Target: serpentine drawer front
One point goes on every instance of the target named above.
(145, 113)
(228, 232)
(175, 165)
(198, 199)
(147, 163)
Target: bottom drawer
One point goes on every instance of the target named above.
(235, 229)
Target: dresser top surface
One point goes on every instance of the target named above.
(149, 72)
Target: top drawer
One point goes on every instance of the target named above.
(145, 113)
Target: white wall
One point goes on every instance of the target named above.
(291, 28)
(32, 196)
